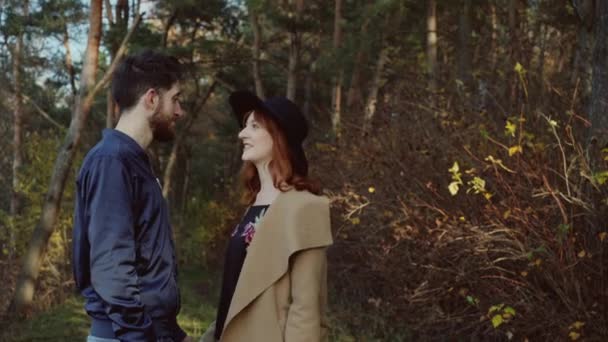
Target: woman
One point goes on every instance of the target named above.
(274, 284)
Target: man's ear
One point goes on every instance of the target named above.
(151, 99)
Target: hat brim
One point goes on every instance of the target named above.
(243, 102)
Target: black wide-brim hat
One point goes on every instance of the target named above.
(285, 113)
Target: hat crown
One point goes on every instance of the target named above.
(289, 116)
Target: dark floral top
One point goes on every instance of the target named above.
(241, 237)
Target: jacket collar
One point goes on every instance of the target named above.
(285, 229)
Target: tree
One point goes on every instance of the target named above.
(17, 127)
(257, 46)
(296, 7)
(465, 56)
(32, 260)
(598, 111)
(431, 45)
(336, 96)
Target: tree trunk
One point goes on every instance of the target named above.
(257, 46)
(167, 28)
(354, 96)
(336, 96)
(465, 72)
(494, 41)
(24, 291)
(370, 106)
(68, 60)
(513, 50)
(121, 24)
(598, 111)
(17, 133)
(583, 66)
(308, 88)
(172, 162)
(431, 45)
(294, 50)
(540, 71)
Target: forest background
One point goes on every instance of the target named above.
(463, 145)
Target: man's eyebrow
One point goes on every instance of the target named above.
(177, 94)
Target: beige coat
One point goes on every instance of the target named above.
(281, 294)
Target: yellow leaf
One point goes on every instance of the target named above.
(515, 149)
(455, 168)
(355, 220)
(577, 325)
(582, 254)
(462, 219)
(453, 187)
(510, 128)
(487, 195)
(538, 262)
(603, 236)
(371, 189)
(506, 214)
(524, 273)
(574, 335)
(497, 321)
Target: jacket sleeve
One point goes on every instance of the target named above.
(304, 318)
(113, 249)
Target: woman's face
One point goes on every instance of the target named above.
(257, 142)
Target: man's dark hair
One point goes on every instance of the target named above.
(140, 72)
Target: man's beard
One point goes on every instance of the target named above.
(161, 125)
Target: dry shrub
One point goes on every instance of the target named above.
(516, 253)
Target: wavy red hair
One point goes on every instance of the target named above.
(280, 167)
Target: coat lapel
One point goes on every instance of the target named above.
(279, 234)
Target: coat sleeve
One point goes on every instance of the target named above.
(304, 318)
(113, 249)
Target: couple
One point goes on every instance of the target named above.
(274, 282)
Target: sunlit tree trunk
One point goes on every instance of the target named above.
(372, 99)
(336, 95)
(431, 45)
(68, 60)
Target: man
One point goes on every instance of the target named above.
(124, 259)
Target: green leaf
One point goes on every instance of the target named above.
(494, 308)
(509, 310)
(601, 177)
(497, 321)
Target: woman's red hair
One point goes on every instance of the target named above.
(280, 167)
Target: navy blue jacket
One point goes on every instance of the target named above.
(123, 251)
